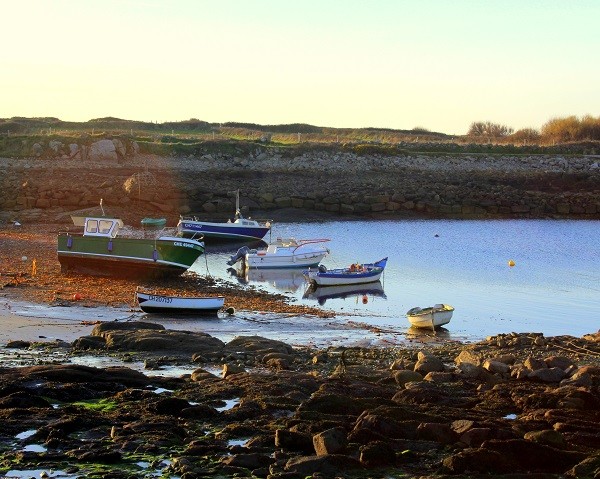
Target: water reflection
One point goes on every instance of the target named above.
(323, 293)
(287, 280)
(426, 333)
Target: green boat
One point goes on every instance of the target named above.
(105, 248)
(154, 223)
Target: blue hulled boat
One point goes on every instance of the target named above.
(240, 229)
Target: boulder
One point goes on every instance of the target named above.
(103, 150)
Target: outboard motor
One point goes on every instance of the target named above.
(241, 253)
(322, 268)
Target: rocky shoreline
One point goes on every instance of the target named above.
(518, 405)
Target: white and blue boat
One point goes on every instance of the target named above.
(356, 273)
(240, 229)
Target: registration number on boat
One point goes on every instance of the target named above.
(186, 245)
(160, 299)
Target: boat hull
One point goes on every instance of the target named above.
(174, 305)
(338, 279)
(429, 318)
(221, 231)
(127, 257)
(302, 260)
(370, 273)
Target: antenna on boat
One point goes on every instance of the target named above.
(238, 213)
(102, 207)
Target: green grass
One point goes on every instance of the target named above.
(97, 405)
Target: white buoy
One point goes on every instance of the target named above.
(23, 258)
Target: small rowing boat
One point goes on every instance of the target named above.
(178, 305)
(432, 317)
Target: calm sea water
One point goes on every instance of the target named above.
(553, 288)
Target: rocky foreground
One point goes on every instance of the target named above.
(518, 405)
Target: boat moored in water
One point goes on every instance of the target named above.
(353, 274)
(106, 248)
(240, 229)
(283, 253)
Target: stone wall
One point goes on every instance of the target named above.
(343, 184)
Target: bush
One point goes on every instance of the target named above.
(488, 129)
(571, 128)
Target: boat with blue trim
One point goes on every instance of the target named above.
(153, 303)
(240, 229)
(107, 248)
(356, 273)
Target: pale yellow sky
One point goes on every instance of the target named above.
(389, 63)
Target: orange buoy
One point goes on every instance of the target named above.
(511, 263)
(76, 297)
(365, 299)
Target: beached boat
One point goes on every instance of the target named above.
(321, 295)
(106, 248)
(353, 274)
(432, 317)
(283, 253)
(154, 223)
(240, 229)
(178, 305)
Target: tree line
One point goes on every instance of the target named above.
(556, 130)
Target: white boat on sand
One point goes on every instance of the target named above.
(178, 305)
(432, 317)
(283, 253)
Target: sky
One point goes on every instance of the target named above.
(402, 64)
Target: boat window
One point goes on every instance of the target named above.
(105, 226)
(91, 226)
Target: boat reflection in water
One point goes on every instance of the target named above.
(427, 335)
(287, 280)
(322, 294)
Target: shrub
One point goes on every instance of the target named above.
(489, 129)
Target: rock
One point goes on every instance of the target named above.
(247, 461)
(294, 441)
(258, 344)
(589, 467)
(496, 367)
(385, 427)
(527, 456)
(441, 433)
(37, 150)
(404, 376)
(331, 441)
(103, 150)
(550, 437)
(439, 377)
(329, 464)
(476, 436)
(427, 363)
(561, 362)
(548, 375)
(476, 460)
(377, 454)
(230, 369)
(468, 356)
(17, 344)
(534, 363)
